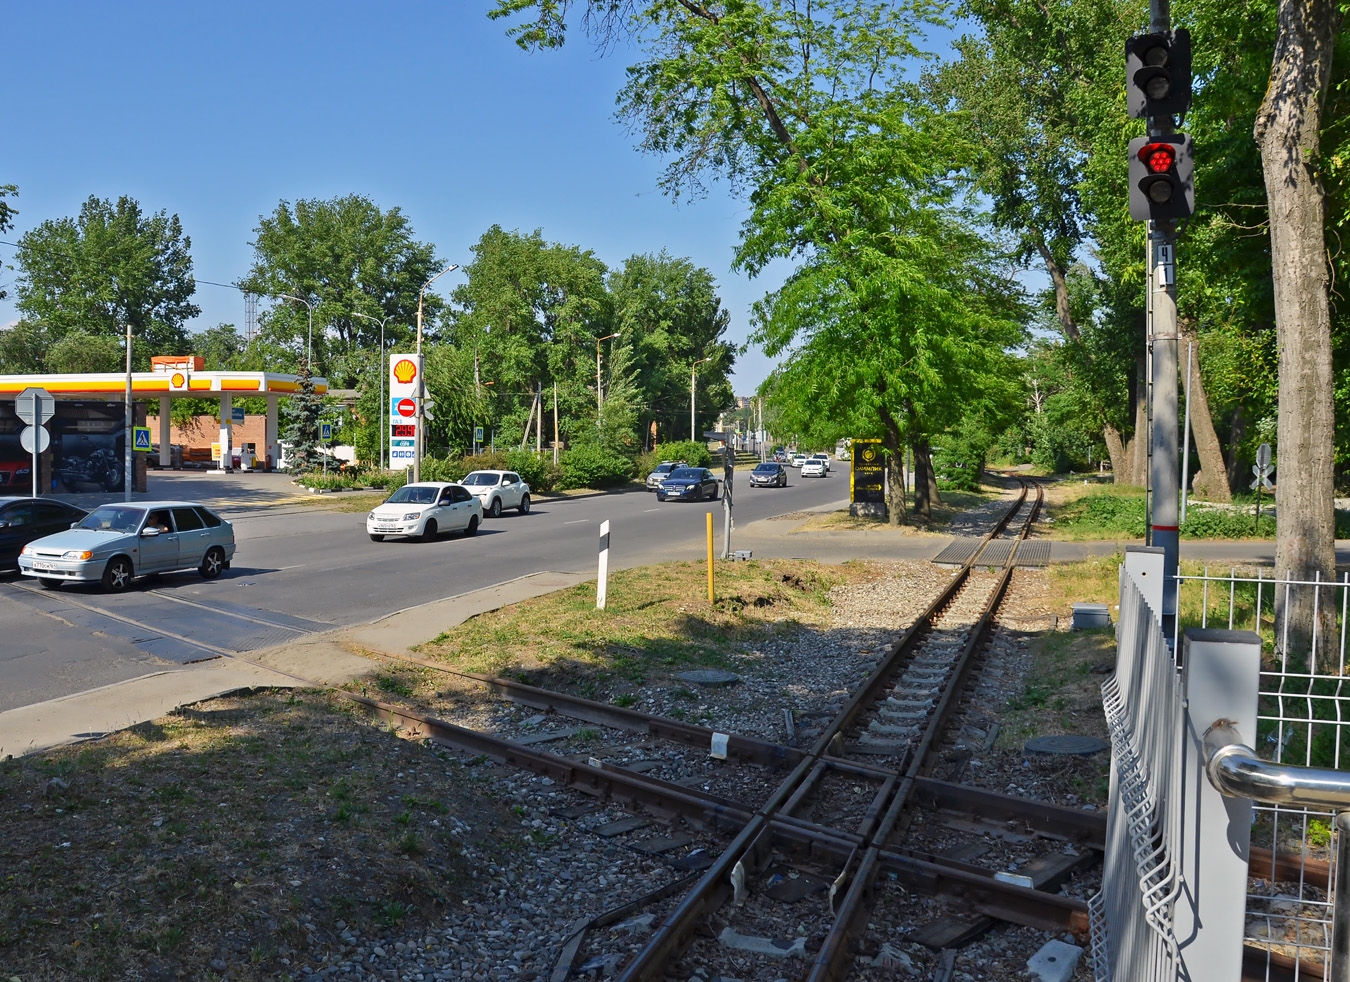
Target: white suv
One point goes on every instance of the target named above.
(498, 490)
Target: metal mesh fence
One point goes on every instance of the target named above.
(1303, 718)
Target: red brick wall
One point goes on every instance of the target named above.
(205, 430)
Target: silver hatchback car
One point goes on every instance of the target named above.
(113, 544)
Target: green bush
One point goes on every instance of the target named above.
(693, 452)
(592, 466)
(385, 480)
(332, 481)
(1220, 523)
(454, 469)
(1119, 514)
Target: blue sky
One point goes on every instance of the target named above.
(218, 111)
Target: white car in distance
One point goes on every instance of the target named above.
(824, 458)
(424, 510)
(498, 490)
(813, 467)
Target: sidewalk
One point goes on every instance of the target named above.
(331, 658)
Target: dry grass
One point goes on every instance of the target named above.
(657, 620)
(246, 831)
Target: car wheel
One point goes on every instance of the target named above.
(495, 509)
(212, 563)
(49, 582)
(376, 537)
(472, 527)
(524, 504)
(118, 573)
(429, 531)
(714, 493)
(660, 497)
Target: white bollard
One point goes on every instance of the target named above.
(602, 580)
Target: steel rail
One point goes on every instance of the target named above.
(666, 941)
(830, 964)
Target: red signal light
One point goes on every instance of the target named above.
(1159, 158)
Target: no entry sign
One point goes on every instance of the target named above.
(406, 407)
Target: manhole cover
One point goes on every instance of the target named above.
(1066, 743)
(708, 676)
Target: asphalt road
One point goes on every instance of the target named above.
(300, 570)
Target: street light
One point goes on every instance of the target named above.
(310, 307)
(130, 434)
(599, 400)
(383, 369)
(421, 375)
(693, 369)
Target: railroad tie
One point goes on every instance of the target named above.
(907, 731)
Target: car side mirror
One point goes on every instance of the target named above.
(74, 525)
(145, 532)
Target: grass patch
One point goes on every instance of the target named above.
(237, 831)
(953, 503)
(1105, 511)
(657, 621)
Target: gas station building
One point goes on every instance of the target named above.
(171, 378)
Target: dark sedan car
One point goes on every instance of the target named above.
(768, 475)
(688, 484)
(24, 519)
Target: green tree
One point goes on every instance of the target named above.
(7, 213)
(344, 256)
(80, 352)
(669, 315)
(111, 267)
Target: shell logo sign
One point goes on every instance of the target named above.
(178, 380)
(405, 371)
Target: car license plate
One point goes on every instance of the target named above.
(45, 566)
(386, 528)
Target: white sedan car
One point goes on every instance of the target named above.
(424, 511)
(814, 467)
(498, 490)
(823, 458)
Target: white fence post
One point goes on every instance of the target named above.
(1221, 672)
(602, 580)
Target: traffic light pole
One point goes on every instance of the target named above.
(1165, 475)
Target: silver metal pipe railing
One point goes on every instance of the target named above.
(1235, 770)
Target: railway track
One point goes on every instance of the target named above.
(832, 824)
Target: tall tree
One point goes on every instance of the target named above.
(343, 256)
(7, 213)
(110, 267)
(302, 424)
(1288, 131)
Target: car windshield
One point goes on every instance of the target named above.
(685, 474)
(479, 479)
(409, 495)
(766, 469)
(113, 518)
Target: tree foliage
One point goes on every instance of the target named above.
(112, 266)
(343, 256)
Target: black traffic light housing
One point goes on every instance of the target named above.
(1158, 74)
(1162, 177)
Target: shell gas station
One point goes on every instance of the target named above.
(88, 432)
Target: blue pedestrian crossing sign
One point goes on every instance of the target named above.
(140, 438)
(325, 432)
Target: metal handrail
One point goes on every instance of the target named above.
(1235, 770)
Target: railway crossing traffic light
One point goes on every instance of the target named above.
(1158, 74)
(1162, 177)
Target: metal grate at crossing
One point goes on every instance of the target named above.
(996, 553)
(1033, 552)
(958, 551)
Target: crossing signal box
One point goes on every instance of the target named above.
(1162, 177)
(1158, 74)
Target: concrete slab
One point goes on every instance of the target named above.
(1055, 962)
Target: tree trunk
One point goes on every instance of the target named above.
(896, 506)
(1067, 326)
(1237, 432)
(1207, 444)
(1119, 461)
(925, 482)
(1287, 131)
(1139, 442)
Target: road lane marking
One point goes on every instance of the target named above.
(645, 510)
(579, 521)
(158, 631)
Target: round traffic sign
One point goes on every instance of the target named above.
(406, 407)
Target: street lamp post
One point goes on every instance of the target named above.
(310, 308)
(421, 375)
(383, 370)
(599, 399)
(693, 370)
